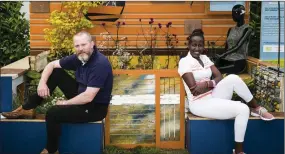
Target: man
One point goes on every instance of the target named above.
(88, 96)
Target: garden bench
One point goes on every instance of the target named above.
(28, 136)
(204, 135)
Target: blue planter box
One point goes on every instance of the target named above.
(29, 137)
(217, 136)
(5, 94)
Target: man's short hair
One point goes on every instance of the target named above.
(84, 33)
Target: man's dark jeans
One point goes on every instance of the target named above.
(59, 114)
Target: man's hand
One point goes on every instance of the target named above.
(61, 102)
(43, 90)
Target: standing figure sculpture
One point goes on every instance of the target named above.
(233, 60)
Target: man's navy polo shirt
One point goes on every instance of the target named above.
(97, 72)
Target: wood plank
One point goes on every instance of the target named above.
(39, 15)
(163, 3)
(141, 37)
(173, 16)
(55, 6)
(179, 8)
(146, 22)
(32, 120)
(19, 72)
(150, 15)
(128, 30)
(277, 115)
(180, 44)
(106, 9)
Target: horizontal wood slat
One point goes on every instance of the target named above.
(182, 8)
(215, 26)
(142, 38)
(127, 30)
(180, 44)
(146, 21)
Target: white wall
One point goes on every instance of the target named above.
(26, 9)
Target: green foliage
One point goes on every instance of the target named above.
(65, 23)
(254, 23)
(16, 102)
(276, 62)
(14, 32)
(50, 101)
(142, 150)
(250, 85)
(33, 80)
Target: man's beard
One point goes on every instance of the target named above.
(83, 57)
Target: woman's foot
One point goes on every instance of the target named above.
(262, 113)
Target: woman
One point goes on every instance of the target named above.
(212, 98)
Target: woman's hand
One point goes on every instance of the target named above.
(202, 87)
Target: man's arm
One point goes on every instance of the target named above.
(86, 97)
(43, 90)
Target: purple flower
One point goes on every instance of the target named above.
(151, 19)
(150, 22)
(140, 20)
(118, 24)
(159, 25)
(167, 25)
(123, 23)
(103, 24)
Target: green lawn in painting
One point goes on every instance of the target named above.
(142, 150)
(132, 110)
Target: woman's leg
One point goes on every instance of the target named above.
(218, 108)
(233, 83)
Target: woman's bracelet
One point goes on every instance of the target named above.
(193, 87)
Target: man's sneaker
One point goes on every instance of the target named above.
(262, 113)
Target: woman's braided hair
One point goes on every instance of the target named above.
(196, 32)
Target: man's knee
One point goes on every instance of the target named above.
(57, 71)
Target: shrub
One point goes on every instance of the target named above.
(14, 32)
(65, 23)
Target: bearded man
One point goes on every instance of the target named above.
(88, 95)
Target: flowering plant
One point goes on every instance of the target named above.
(120, 45)
(147, 40)
(151, 36)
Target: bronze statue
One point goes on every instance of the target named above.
(233, 60)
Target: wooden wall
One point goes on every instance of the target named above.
(214, 25)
